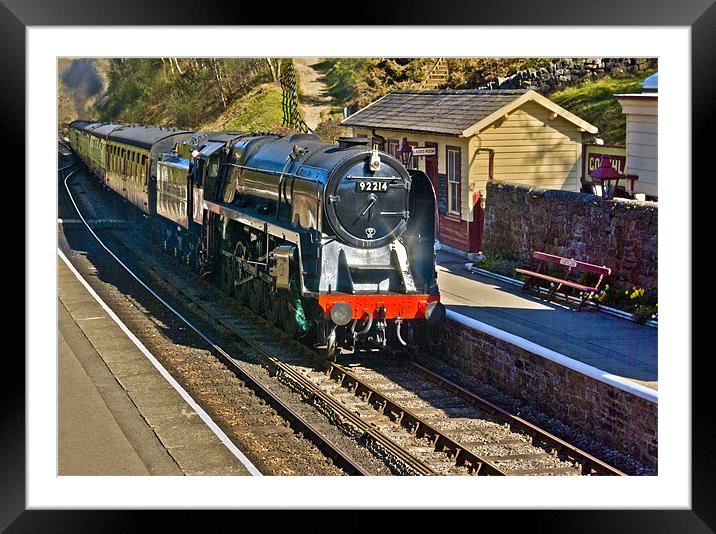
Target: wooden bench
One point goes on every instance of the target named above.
(570, 265)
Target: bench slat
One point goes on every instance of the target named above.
(571, 262)
(557, 280)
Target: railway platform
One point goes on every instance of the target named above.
(613, 345)
(117, 413)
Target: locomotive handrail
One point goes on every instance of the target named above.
(373, 178)
(272, 172)
(281, 177)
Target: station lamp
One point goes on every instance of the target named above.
(604, 174)
(405, 152)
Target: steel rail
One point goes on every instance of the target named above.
(371, 436)
(340, 458)
(589, 465)
(457, 452)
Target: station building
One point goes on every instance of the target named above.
(466, 137)
(642, 148)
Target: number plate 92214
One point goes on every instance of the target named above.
(371, 186)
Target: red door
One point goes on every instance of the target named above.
(477, 224)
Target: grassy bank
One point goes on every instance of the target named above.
(259, 110)
(595, 103)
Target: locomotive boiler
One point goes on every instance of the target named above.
(334, 243)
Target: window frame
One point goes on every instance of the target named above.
(457, 180)
(394, 144)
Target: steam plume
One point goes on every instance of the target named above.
(82, 82)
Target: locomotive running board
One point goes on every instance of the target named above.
(263, 225)
(255, 222)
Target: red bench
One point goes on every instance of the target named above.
(571, 265)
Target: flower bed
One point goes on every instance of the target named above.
(640, 302)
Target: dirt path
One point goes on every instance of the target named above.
(314, 98)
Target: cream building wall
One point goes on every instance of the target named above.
(642, 140)
(532, 147)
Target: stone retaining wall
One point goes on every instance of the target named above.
(620, 234)
(618, 419)
(567, 71)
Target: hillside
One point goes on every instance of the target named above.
(243, 94)
(259, 110)
(595, 103)
(356, 82)
(162, 91)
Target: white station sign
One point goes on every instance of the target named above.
(424, 151)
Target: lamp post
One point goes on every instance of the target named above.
(405, 153)
(605, 173)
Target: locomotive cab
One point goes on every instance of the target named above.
(207, 168)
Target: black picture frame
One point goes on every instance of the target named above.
(699, 15)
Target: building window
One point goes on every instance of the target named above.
(453, 179)
(392, 147)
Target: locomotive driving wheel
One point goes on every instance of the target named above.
(256, 295)
(227, 274)
(272, 305)
(241, 287)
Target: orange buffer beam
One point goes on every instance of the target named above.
(405, 306)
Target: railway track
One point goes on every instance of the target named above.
(414, 420)
(212, 377)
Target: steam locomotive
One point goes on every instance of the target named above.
(334, 243)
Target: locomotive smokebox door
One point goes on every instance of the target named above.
(280, 268)
(367, 200)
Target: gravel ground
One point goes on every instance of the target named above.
(255, 427)
(459, 421)
(619, 460)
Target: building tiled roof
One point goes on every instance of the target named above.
(439, 111)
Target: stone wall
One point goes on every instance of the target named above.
(620, 234)
(620, 420)
(567, 71)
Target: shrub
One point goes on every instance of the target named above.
(498, 263)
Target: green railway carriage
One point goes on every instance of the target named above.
(125, 156)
